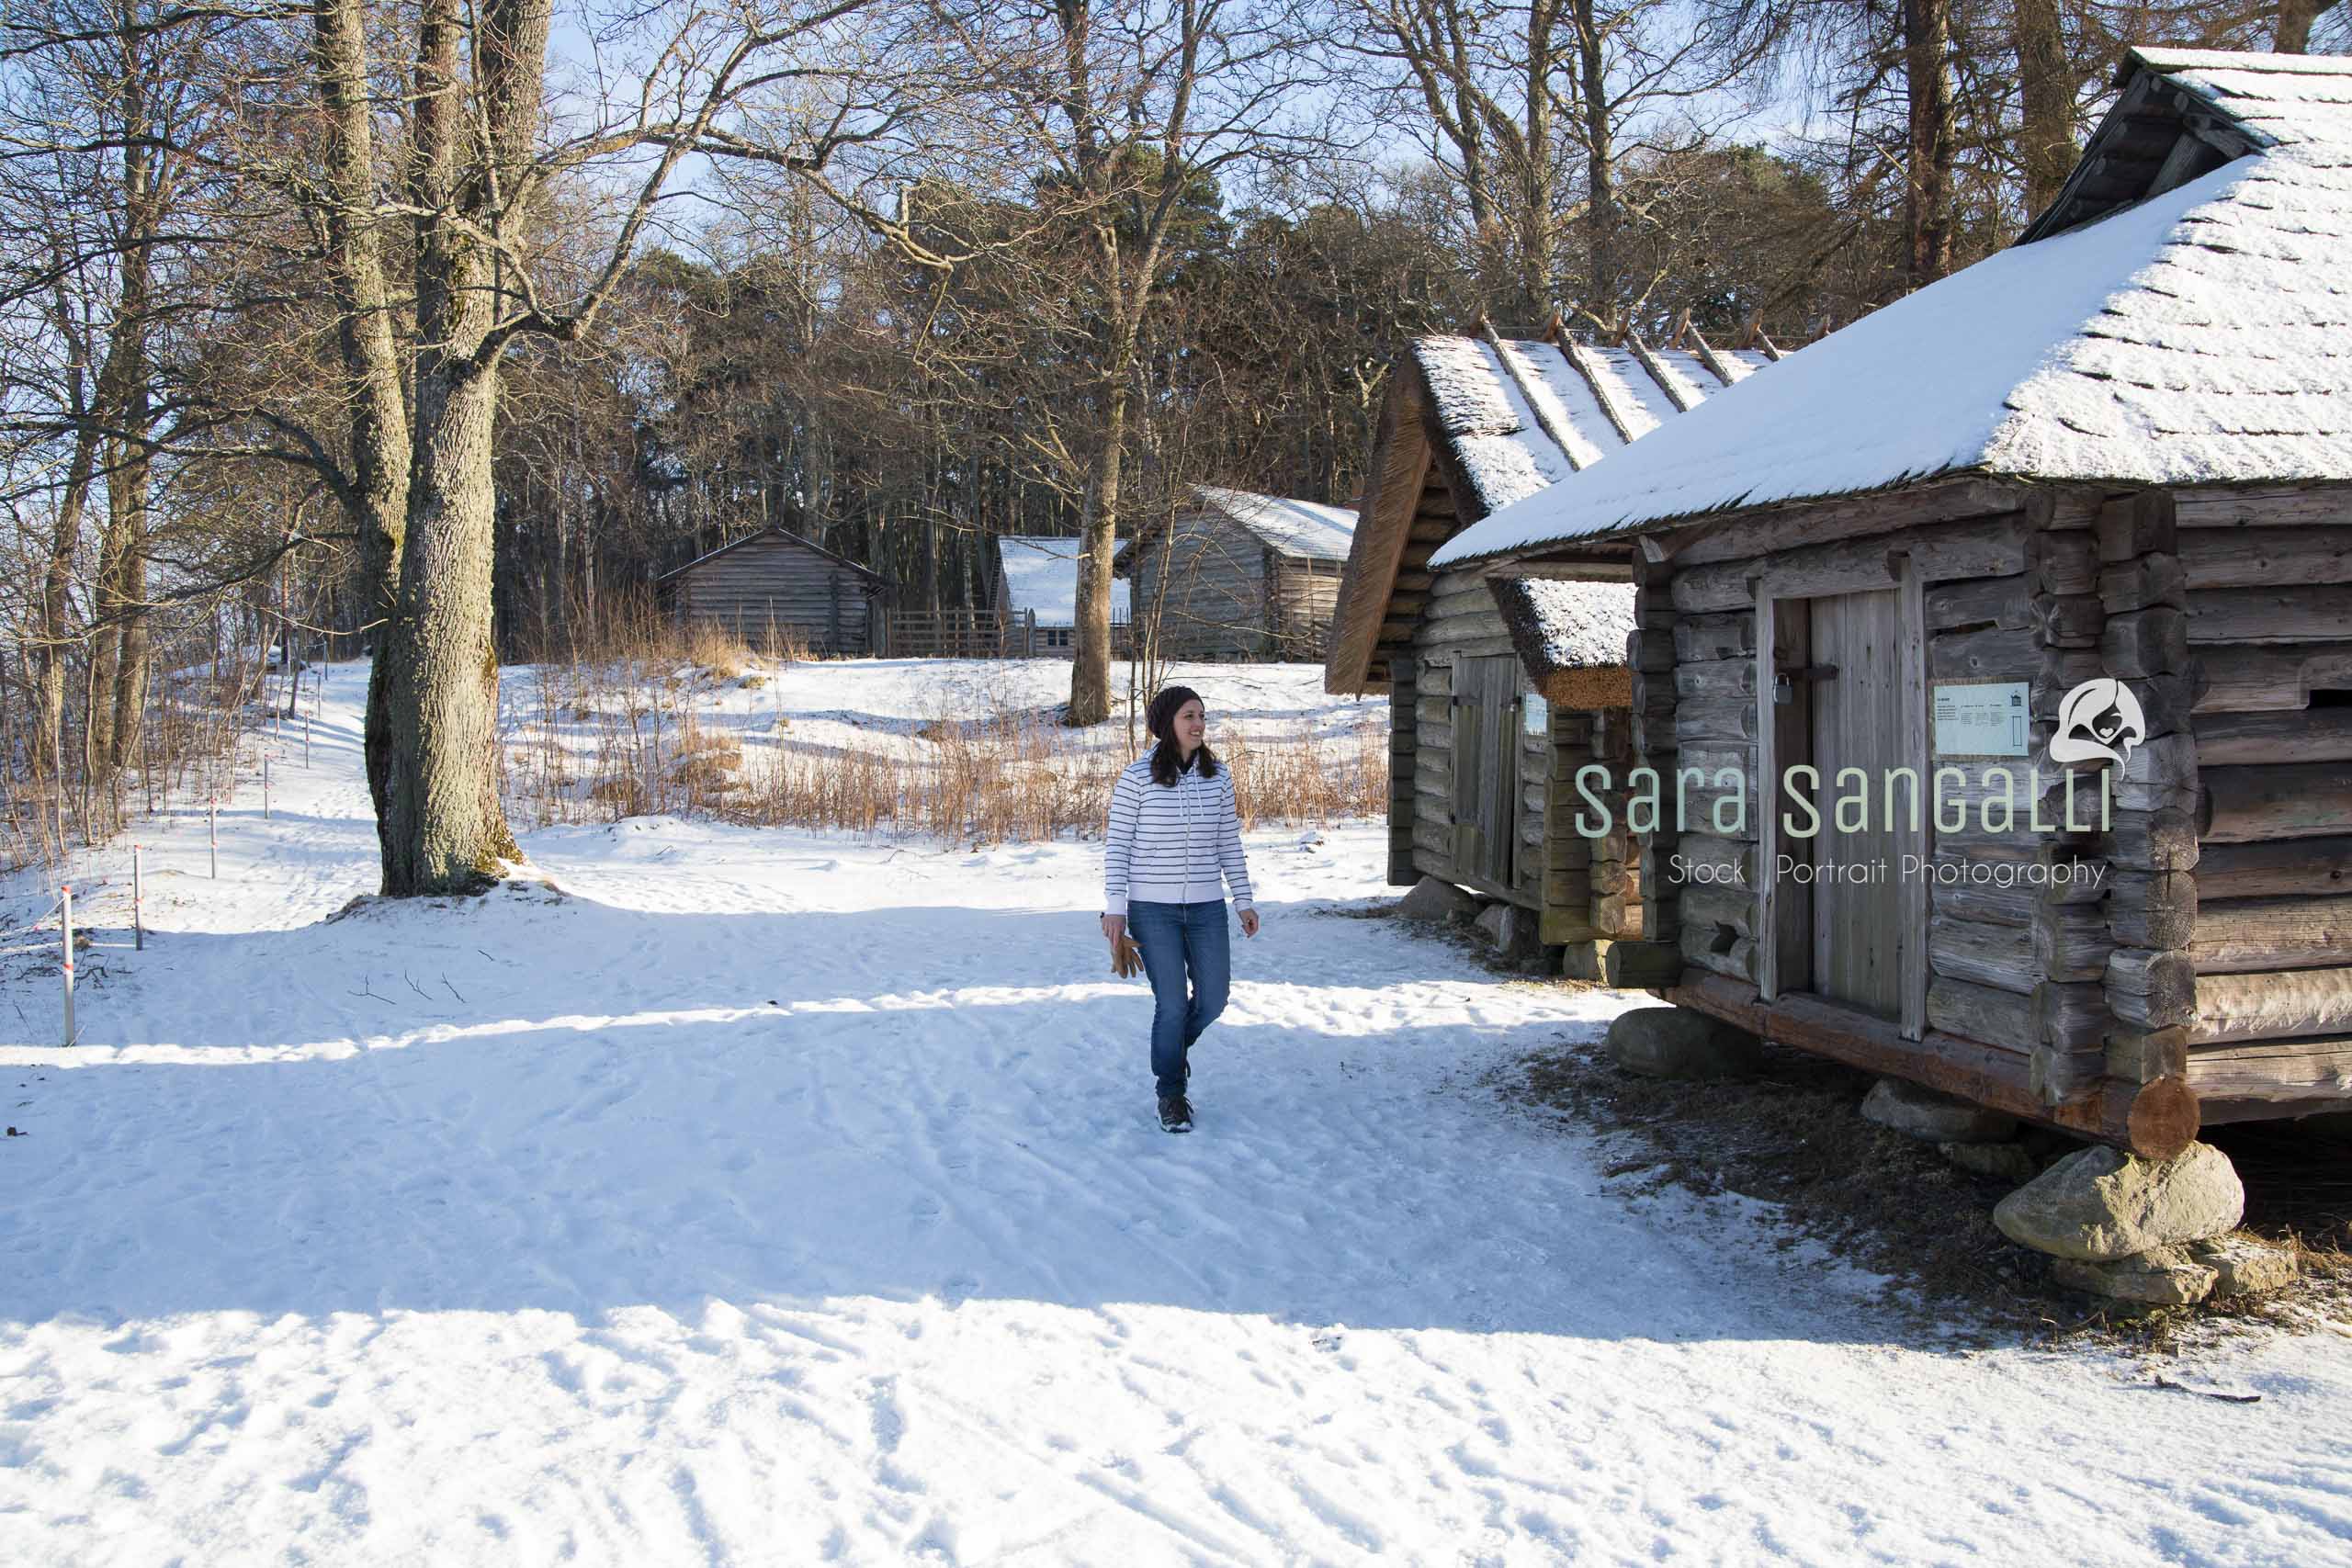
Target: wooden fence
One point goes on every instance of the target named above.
(984, 634)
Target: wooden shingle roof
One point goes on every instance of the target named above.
(1503, 420)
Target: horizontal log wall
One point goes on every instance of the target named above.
(1695, 713)
(1207, 578)
(1592, 889)
(1303, 595)
(2150, 895)
(2266, 1021)
(1460, 620)
(1583, 888)
(776, 582)
(1410, 743)
(2049, 917)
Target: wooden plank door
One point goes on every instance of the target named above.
(1858, 936)
(1486, 766)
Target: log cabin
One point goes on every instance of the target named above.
(775, 587)
(2062, 543)
(1238, 575)
(1501, 687)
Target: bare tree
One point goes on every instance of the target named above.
(2292, 34)
(110, 113)
(476, 177)
(1539, 105)
(2046, 87)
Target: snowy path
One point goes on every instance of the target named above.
(770, 1198)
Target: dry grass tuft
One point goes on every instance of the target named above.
(718, 650)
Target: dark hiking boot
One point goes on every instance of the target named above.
(1175, 1113)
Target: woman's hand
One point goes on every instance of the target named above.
(1114, 928)
(1248, 923)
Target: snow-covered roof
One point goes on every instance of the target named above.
(1502, 420)
(1524, 415)
(1560, 624)
(2284, 99)
(1041, 574)
(2202, 336)
(1299, 528)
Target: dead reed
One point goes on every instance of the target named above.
(619, 727)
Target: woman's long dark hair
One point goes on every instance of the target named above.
(1168, 757)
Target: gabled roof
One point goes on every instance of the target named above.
(2203, 337)
(1041, 574)
(1502, 420)
(2277, 98)
(2180, 114)
(1303, 530)
(1523, 415)
(774, 532)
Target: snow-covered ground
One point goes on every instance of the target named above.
(750, 1196)
(886, 704)
(597, 743)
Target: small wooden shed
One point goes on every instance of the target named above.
(2018, 617)
(1503, 685)
(1238, 575)
(775, 585)
(1036, 587)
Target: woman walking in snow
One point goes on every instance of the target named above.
(1175, 836)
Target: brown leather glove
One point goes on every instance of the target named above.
(1127, 958)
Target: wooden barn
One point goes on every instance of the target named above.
(1035, 596)
(2045, 574)
(775, 586)
(1237, 575)
(1503, 685)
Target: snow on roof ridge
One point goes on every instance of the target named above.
(2274, 99)
(2165, 59)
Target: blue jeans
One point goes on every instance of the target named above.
(1176, 938)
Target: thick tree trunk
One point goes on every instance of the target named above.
(115, 599)
(1600, 167)
(441, 830)
(51, 652)
(440, 827)
(2045, 88)
(378, 412)
(1089, 667)
(1927, 32)
(2294, 33)
(1535, 182)
(134, 642)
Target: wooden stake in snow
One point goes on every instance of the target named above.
(65, 925)
(264, 786)
(138, 900)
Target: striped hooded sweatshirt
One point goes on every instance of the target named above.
(1171, 846)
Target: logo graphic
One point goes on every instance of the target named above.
(2098, 718)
